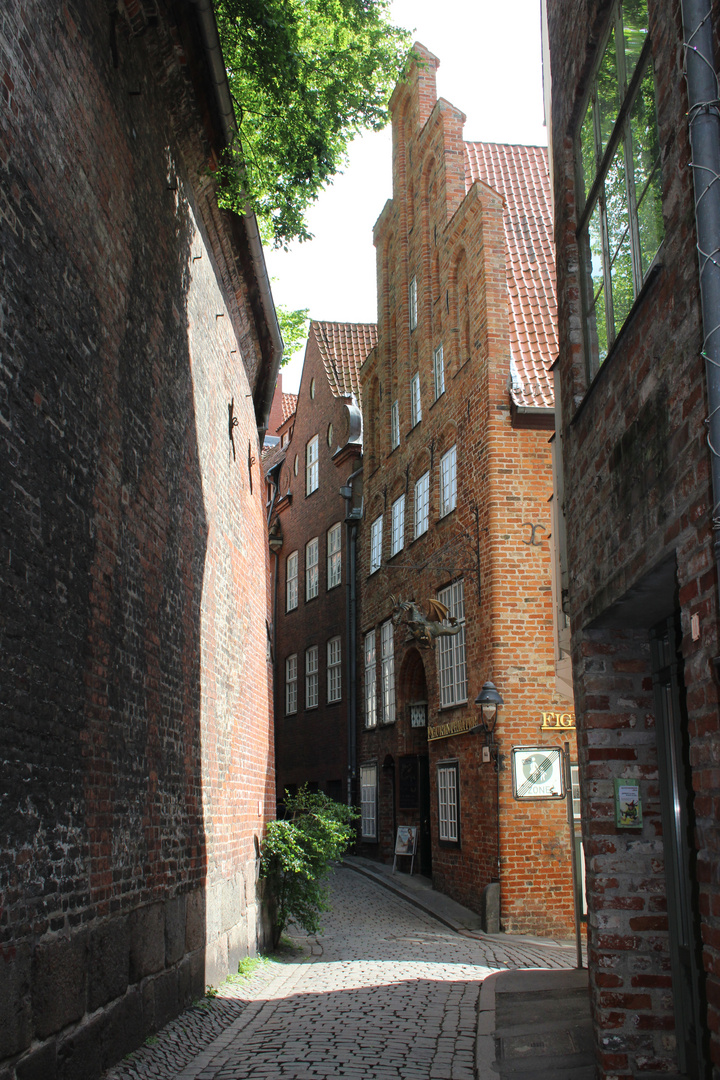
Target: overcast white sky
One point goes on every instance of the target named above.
(490, 67)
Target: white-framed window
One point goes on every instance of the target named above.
(291, 581)
(311, 677)
(422, 504)
(368, 802)
(448, 802)
(291, 685)
(575, 782)
(334, 555)
(311, 568)
(311, 465)
(370, 681)
(334, 669)
(619, 180)
(438, 372)
(452, 668)
(376, 544)
(415, 402)
(397, 540)
(387, 672)
(395, 424)
(412, 297)
(448, 481)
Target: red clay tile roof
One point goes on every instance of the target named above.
(520, 175)
(343, 348)
(289, 405)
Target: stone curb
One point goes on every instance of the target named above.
(485, 1038)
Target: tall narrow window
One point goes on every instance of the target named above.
(387, 672)
(438, 372)
(415, 402)
(452, 669)
(368, 802)
(376, 544)
(334, 669)
(422, 504)
(311, 465)
(291, 582)
(621, 224)
(311, 677)
(448, 802)
(413, 303)
(311, 568)
(291, 685)
(398, 526)
(370, 681)
(448, 481)
(395, 424)
(334, 556)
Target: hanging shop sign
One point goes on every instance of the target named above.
(558, 721)
(453, 727)
(537, 772)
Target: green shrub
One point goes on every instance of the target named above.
(297, 854)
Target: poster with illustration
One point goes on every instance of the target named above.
(628, 807)
(406, 841)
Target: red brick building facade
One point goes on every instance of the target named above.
(640, 574)
(136, 691)
(457, 477)
(314, 545)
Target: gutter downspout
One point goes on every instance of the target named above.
(352, 517)
(704, 131)
(265, 387)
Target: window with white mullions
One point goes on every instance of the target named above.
(370, 681)
(395, 425)
(415, 402)
(387, 672)
(291, 581)
(422, 504)
(291, 685)
(368, 802)
(334, 556)
(413, 303)
(334, 669)
(452, 666)
(438, 372)
(311, 568)
(448, 481)
(398, 526)
(448, 802)
(311, 677)
(376, 544)
(311, 465)
(619, 182)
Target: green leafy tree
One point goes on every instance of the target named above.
(293, 327)
(297, 854)
(306, 76)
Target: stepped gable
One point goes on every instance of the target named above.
(520, 175)
(343, 348)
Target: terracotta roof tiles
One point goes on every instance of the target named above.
(343, 348)
(520, 176)
(289, 405)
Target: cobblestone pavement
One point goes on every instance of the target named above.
(385, 992)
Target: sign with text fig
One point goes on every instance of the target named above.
(537, 772)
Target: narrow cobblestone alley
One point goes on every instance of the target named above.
(385, 992)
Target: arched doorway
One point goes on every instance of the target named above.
(413, 784)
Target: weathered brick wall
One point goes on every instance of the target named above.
(430, 229)
(637, 493)
(135, 699)
(312, 745)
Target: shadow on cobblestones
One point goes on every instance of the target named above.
(384, 992)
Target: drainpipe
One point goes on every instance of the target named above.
(704, 130)
(272, 354)
(352, 517)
